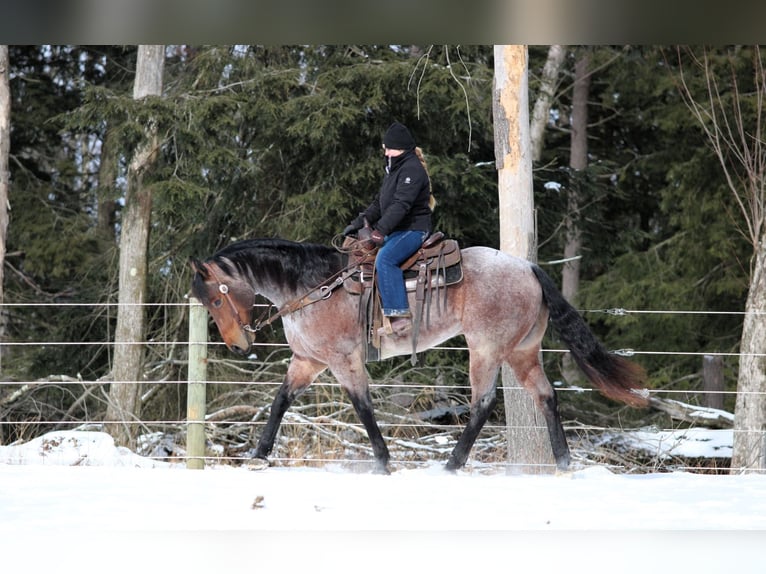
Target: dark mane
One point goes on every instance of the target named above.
(298, 266)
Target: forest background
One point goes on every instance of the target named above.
(285, 141)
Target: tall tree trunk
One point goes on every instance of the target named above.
(545, 95)
(124, 393)
(528, 444)
(107, 177)
(749, 448)
(578, 163)
(5, 175)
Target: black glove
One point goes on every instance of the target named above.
(350, 230)
(377, 238)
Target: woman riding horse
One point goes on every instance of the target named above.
(401, 219)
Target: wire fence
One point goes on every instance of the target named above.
(321, 429)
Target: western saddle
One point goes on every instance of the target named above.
(428, 273)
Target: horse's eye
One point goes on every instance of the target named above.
(217, 303)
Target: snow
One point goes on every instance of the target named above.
(707, 412)
(690, 443)
(69, 501)
(553, 186)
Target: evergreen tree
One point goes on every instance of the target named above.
(285, 141)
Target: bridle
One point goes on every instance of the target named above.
(319, 293)
(223, 289)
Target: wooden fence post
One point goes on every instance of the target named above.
(712, 381)
(197, 377)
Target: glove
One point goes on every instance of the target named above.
(377, 237)
(350, 230)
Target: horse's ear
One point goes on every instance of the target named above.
(198, 266)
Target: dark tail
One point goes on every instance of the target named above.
(614, 376)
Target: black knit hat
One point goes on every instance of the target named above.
(398, 137)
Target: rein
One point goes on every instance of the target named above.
(318, 293)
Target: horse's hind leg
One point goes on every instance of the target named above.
(300, 374)
(535, 381)
(480, 412)
(483, 373)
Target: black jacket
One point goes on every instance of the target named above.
(402, 203)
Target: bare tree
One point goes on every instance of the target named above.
(5, 150)
(125, 390)
(528, 443)
(107, 177)
(578, 163)
(545, 95)
(737, 141)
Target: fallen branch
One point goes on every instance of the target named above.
(701, 416)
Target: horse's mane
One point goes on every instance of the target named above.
(298, 266)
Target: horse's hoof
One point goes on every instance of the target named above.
(257, 464)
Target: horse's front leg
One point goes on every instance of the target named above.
(285, 397)
(354, 379)
(300, 374)
(362, 402)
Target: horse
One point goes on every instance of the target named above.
(502, 307)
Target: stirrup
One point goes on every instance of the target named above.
(397, 327)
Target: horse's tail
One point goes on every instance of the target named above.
(614, 376)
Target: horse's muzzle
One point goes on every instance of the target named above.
(240, 350)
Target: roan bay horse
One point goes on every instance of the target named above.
(501, 306)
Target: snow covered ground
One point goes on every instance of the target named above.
(72, 502)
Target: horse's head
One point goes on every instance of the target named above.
(229, 300)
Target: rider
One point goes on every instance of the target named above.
(401, 219)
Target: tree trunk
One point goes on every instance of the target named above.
(749, 450)
(578, 163)
(528, 444)
(125, 390)
(106, 194)
(545, 95)
(5, 175)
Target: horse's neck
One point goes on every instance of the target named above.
(250, 279)
(281, 292)
(276, 294)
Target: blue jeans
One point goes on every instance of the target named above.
(397, 247)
